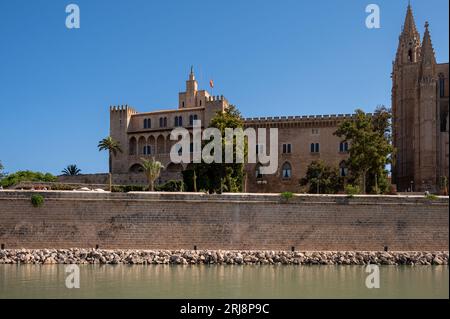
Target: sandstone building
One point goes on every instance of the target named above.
(420, 106)
(420, 128)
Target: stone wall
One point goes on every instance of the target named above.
(229, 221)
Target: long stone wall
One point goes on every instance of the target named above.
(229, 221)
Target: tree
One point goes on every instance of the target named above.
(113, 147)
(152, 169)
(219, 177)
(370, 150)
(321, 179)
(26, 176)
(1, 171)
(71, 170)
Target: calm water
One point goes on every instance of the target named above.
(164, 281)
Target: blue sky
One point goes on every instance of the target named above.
(286, 57)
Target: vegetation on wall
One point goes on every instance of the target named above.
(370, 149)
(113, 147)
(37, 200)
(26, 176)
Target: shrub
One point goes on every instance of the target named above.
(431, 196)
(287, 195)
(37, 200)
(171, 186)
(26, 176)
(352, 190)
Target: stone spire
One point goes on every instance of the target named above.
(427, 51)
(191, 84)
(409, 41)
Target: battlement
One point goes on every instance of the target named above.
(218, 98)
(303, 118)
(122, 108)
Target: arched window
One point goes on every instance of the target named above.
(317, 148)
(286, 171)
(145, 123)
(258, 173)
(441, 85)
(176, 121)
(180, 121)
(149, 123)
(165, 122)
(161, 122)
(343, 170)
(132, 146)
(312, 148)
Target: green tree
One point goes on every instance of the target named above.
(26, 176)
(1, 171)
(321, 179)
(113, 147)
(370, 148)
(71, 170)
(152, 169)
(219, 177)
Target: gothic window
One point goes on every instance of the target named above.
(145, 123)
(165, 122)
(132, 146)
(286, 171)
(441, 85)
(161, 122)
(176, 121)
(409, 55)
(182, 104)
(192, 118)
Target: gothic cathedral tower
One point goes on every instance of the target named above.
(418, 112)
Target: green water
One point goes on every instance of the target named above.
(164, 281)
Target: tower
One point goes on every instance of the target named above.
(416, 112)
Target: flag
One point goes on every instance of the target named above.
(211, 84)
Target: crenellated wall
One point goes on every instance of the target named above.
(228, 221)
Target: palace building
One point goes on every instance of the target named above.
(420, 106)
(420, 128)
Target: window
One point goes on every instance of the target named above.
(315, 131)
(343, 147)
(258, 171)
(165, 122)
(200, 102)
(343, 170)
(147, 123)
(286, 171)
(441, 85)
(192, 118)
(178, 121)
(161, 122)
(287, 148)
(147, 150)
(314, 148)
(182, 104)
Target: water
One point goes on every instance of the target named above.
(167, 281)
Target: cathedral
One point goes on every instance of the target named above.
(420, 128)
(420, 107)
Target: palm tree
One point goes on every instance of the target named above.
(113, 147)
(152, 169)
(71, 170)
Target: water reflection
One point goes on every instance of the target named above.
(168, 281)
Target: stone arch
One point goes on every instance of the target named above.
(142, 142)
(136, 168)
(132, 145)
(151, 141)
(160, 144)
(286, 170)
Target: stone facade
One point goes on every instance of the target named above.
(145, 135)
(69, 219)
(420, 104)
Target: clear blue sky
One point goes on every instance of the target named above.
(286, 57)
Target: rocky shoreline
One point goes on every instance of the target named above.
(217, 257)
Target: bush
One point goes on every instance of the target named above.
(352, 190)
(171, 186)
(26, 176)
(431, 196)
(287, 195)
(128, 188)
(37, 200)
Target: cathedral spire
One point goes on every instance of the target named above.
(427, 51)
(409, 28)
